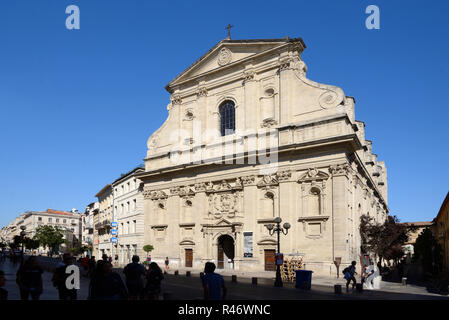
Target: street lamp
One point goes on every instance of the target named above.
(22, 235)
(278, 229)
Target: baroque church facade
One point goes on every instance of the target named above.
(249, 138)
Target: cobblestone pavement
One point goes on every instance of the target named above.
(181, 287)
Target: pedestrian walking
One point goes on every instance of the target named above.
(85, 265)
(60, 276)
(154, 278)
(116, 260)
(91, 266)
(213, 283)
(134, 282)
(349, 273)
(3, 292)
(29, 279)
(113, 286)
(166, 264)
(96, 281)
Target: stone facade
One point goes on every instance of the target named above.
(69, 223)
(297, 152)
(88, 226)
(128, 212)
(102, 222)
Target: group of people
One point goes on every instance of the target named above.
(367, 276)
(106, 284)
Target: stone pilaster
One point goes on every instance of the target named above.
(340, 211)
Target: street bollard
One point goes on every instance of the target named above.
(233, 278)
(337, 288)
(404, 281)
(254, 280)
(359, 287)
(167, 295)
(187, 273)
(176, 272)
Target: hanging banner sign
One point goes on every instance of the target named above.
(247, 244)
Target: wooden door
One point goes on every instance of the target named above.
(220, 257)
(189, 257)
(270, 264)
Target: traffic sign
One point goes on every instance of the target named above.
(114, 224)
(113, 239)
(114, 232)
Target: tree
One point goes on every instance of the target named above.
(31, 244)
(148, 248)
(383, 240)
(17, 240)
(49, 236)
(428, 252)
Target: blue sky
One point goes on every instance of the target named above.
(77, 106)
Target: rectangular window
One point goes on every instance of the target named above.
(49, 219)
(39, 219)
(127, 227)
(134, 226)
(134, 204)
(65, 220)
(57, 220)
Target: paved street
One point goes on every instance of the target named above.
(189, 288)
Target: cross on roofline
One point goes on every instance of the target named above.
(229, 26)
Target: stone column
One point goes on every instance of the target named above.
(285, 73)
(250, 104)
(340, 211)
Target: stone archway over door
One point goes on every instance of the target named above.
(225, 251)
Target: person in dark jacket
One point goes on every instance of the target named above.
(96, 281)
(3, 292)
(60, 276)
(349, 273)
(134, 272)
(154, 278)
(113, 286)
(29, 279)
(106, 284)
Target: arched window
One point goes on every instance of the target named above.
(227, 117)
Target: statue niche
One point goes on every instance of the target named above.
(267, 205)
(312, 188)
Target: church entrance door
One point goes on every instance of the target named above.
(225, 252)
(189, 257)
(270, 264)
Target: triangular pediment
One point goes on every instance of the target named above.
(223, 222)
(313, 174)
(227, 53)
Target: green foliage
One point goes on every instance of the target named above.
(31, 244)
(49, 236)
(384, 240)
(148, 248)
(17, 240)
(427, 250)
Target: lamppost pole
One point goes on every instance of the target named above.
(278, 229)
(22, 235)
